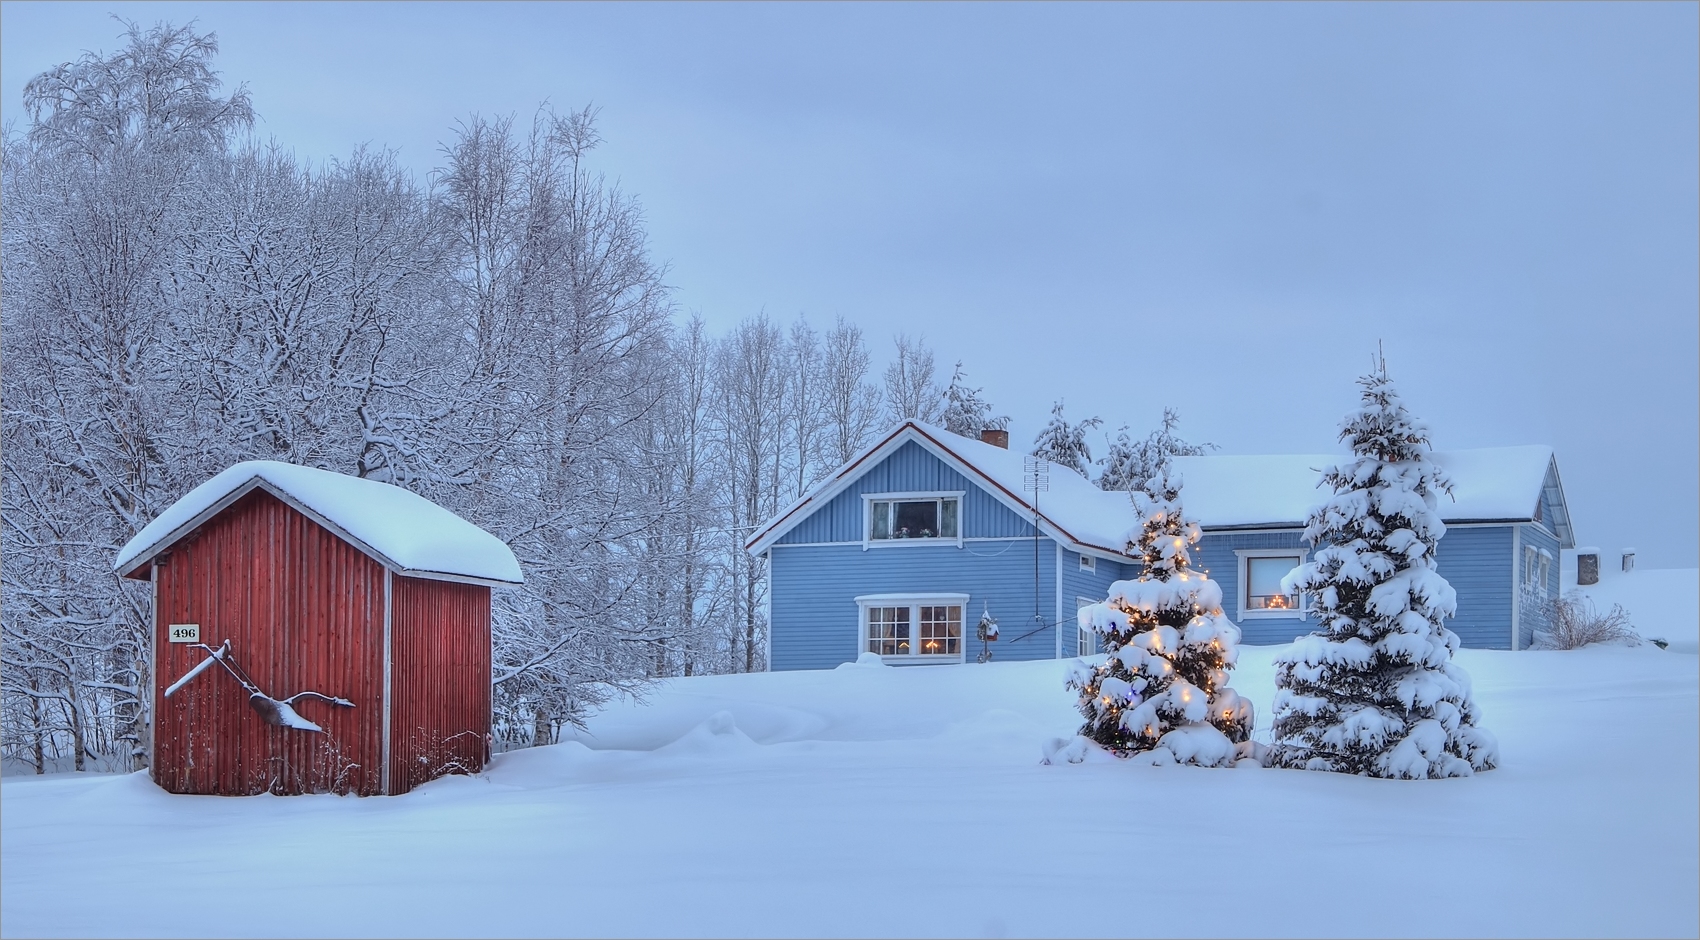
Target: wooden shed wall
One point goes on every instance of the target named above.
(440, 679)
(304, 610)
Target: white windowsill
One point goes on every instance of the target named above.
(911, 543)
(920, 659)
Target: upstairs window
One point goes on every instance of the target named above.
(913, 517)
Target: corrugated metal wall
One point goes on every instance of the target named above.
(440, 680)
(303, 611)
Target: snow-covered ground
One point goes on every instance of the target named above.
(871, 801)
(1661, 602)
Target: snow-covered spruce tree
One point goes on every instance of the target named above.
(1065, 444)
(1374, 691)
(1164, 686)
(965, 412)
(1129, 463)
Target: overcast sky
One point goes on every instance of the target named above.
(1217, 207)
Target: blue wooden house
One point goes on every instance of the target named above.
(904, 549)
(1505, 524)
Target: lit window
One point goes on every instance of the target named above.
(941, 630)
(921, 516)
(913, 629)
(1260, 584)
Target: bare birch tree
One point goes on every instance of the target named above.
(852, 403)
(911, 394)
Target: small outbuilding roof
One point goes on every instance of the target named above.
(401, 530)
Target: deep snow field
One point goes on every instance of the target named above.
(875, 801)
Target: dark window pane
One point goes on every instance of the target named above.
(917, 520)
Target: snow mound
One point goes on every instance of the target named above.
(718, 734)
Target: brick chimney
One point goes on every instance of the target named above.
(995, 437)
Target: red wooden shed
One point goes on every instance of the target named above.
(315, 632)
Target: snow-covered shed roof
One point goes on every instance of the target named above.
(1490, 484)
(403, 531)
(1074, 511)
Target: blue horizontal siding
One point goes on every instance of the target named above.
(813, 590)
(1215, 554)
(909, 469)
(1532, 603)
(1476, 560)
(1094, 585)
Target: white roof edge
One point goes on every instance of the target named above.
(485, 565)
(1567, 538)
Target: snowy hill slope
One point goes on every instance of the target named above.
(888, 802)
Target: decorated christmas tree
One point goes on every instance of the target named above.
(1164, 686)
(1374, 690)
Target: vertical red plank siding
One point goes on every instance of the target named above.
(303, 611)
(440, 683)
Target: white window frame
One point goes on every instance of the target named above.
(868, 500)
(1537, 568)
(1242, 558)
(1085, 641)
(914, 602)
(1088, 563)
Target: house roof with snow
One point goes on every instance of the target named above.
(1073, 511)
(401, 530)
(1490, 484)
(1494, 484)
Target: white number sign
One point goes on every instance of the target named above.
(185, 633)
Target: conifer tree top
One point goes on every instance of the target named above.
(1381, 427)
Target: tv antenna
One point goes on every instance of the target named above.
(1036, 477)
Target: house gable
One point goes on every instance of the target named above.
(909, 468)
(1074, 512)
